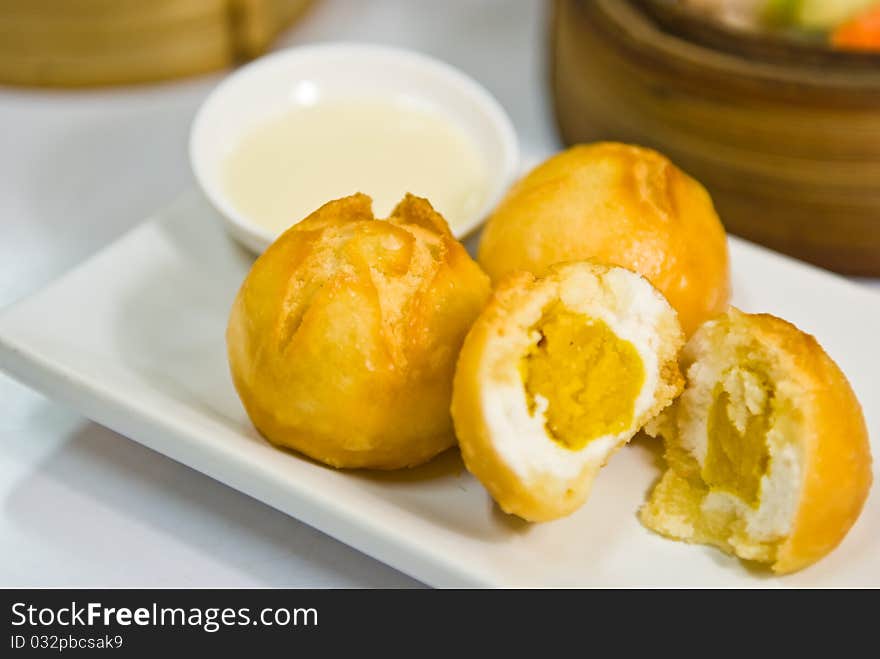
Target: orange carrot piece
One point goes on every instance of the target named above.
(859, 33)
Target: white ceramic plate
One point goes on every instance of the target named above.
(134, 339)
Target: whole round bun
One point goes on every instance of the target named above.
(556, 374)
(782, 476)
(343, 338)
(622, 205)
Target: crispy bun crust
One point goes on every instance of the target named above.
(497, 339)
(343, 338)
(836, 448)
(622, 205)
(822, 419)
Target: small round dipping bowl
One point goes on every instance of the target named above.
(297, 77)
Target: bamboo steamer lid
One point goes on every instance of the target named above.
(94, 42)
(258, 22)
(788, 146)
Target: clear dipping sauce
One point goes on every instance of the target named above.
(294, 163)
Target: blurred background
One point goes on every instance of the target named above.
(79, 167)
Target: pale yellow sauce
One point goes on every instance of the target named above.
(292, 164)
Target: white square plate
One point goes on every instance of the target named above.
(134, 338)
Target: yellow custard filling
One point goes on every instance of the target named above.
(737, 457)
(588, 376)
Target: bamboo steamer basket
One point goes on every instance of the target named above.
(97, 42)
(787, 141)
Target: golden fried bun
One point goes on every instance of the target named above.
(767, 449)
(343, 338)
(616, 204)
(555, 375)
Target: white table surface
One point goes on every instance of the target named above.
(83, 506)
